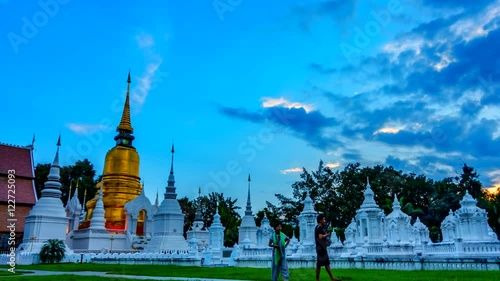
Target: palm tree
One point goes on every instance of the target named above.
(52, 251)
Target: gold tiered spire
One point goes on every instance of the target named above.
(125, 124)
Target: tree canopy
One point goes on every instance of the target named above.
(339, 194)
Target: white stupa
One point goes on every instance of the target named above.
(168, 223)
(73, 210)
(307, 222)
(248, 228)
(198, 228)
(397, 224)
(370, 219)
(47, 220)
(216, 231)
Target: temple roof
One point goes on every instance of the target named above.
(18, 158)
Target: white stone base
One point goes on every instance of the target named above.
(98, 240)
(159, 244)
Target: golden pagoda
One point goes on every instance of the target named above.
(120, 179)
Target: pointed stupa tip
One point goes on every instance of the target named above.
(249, 177)
(172, 164)
(56, 158)
(125, 124)
(128, 79)
(396, 203)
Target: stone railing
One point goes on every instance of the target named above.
(441, 248)
(483, 248)
(252, 252)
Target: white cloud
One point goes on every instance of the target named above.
(272, 102)
(397, 47)
(471, 28)
(388, 130)
(152, 76)
(144, 40)
(147, 82)
(332, 165)
(84, 129)
(292, 170)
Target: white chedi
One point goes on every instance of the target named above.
(397, 224)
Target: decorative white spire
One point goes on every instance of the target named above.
(216, 216)
(171, 177)
(248, 211)
(369, 201)
(198, 216)
(52, 187)
(308, 204)
(74, 205)
(396, 205)
(170, 189)
(98, 220)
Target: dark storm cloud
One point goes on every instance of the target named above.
(241, 113)
(305, 125)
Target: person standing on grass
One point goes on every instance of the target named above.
(278, 241)
(321, 235)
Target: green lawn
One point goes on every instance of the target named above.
(67, 278)
(257, 274)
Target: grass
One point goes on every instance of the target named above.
(257, 274)
(67, 278)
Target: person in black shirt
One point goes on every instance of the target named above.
(321, 235)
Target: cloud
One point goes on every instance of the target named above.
(152, 75)
(272, 102)
(241, 113)
(84, 129)
(291, 170)
(144, 40)
(309, 126)
(431, 89)
(387, 130)
(332, 165)
(147, 82)
(321, 69)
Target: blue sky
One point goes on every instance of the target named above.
(260, 87)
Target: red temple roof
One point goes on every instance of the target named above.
(19, 159)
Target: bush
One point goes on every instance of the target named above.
(52, 251)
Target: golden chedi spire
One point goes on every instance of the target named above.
(125, 124)
(120, 178)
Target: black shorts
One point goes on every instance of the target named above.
(322, 257)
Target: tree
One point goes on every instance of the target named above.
(52, 251)
(230, 218)
(81, 173)
(41, 173)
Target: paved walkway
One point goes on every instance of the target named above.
(103, 274)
